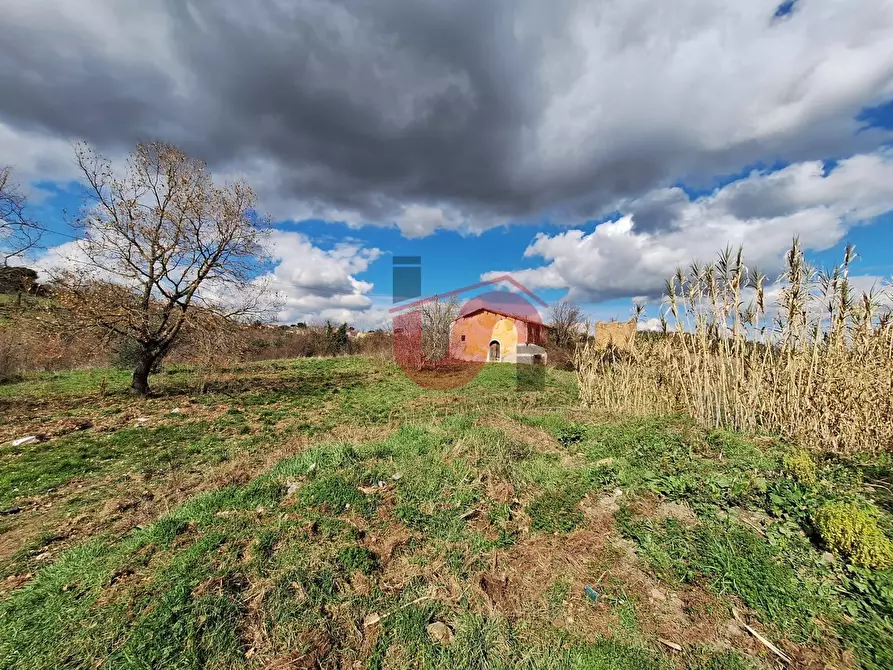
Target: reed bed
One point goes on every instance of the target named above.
(814, 364)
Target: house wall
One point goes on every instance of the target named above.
(482, 328)
(506, 333)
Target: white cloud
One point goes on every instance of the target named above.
(464, 117)
(711, 85)
(649, 325)
(36, 156)
(421, 220)
(316, 284)
(763, 211)
(313, 284)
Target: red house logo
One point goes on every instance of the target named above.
(442, 344)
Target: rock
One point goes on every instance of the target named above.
(828, 557)
(176, 410)
(677, 511)
(142, 419)
(24, 441)
(440, 632)
(396, 476)
(657, 595)
(292, 488)
(609, 502)
(734, 629)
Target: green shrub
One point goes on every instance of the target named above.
(800, 467)
(571, 434)
(851, 529)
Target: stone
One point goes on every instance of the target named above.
(24, 441)
(677, 511)
(440, 632)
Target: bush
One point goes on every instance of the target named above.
(800, 467)
(851, 529)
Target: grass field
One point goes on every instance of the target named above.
(330, 513)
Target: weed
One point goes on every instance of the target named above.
(733, 560)
(869, 603)
(571, 434)
(851, 529)
(336, 494)
(556, 510)
(358, 558)
(800, 467)
(666, 544)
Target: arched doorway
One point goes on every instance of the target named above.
(494, 352)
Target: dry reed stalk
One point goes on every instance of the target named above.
(818, 368)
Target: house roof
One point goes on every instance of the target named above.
(519, 317)
(495, 280)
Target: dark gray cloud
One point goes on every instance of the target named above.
(378, 111)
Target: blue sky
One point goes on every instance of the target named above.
(588, 149)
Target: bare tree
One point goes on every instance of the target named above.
(161, 244)
(565, 319)
(18, 233)
(211, 342)
(437, 321)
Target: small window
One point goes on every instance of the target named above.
(463, 338)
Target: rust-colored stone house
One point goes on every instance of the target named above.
(486, 334)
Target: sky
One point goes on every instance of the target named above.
(586, 148)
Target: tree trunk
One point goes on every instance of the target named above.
(140, 383)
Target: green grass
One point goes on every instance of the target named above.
(556, 510)
(35, 469)
(292, 559)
